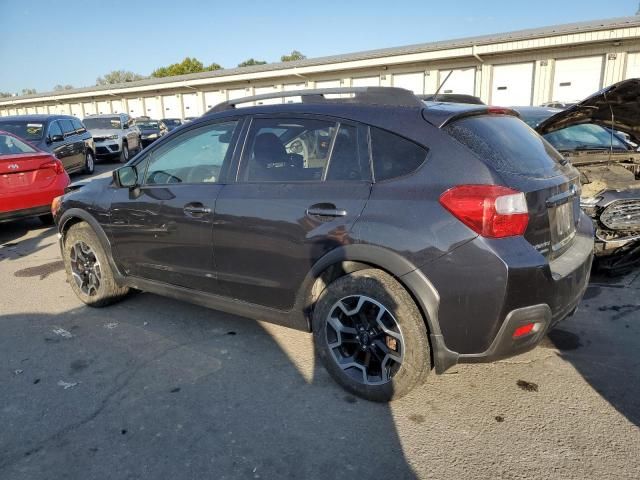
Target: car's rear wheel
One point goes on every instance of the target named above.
(89, 162)
(371, 336)
(88, 269)
(124, 153)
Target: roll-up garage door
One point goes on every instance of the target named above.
(171, 105)
(89, 108)
(410, 81)
(291, 87)
(366, 81)
(117, 106)
(135, 107)
(211, 99)
(266, 90)
(42, 110)
(462, 81)
(577, 78)
(152, 107)
(76, 110)
(633, 66)
(512, 84)
(192, 105)
(104, 107)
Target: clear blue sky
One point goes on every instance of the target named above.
(44, 42)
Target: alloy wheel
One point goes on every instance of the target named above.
(365, 340)
(85, 268)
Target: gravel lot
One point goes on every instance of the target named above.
(154, 388)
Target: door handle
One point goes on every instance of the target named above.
(196, 209)
(325, 210)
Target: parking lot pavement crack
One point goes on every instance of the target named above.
(128, 375)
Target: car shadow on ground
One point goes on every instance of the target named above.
(12, 243)
(604, 347)
(154, 388)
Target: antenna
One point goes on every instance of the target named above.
(435, 95)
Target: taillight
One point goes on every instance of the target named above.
(55, 205)
(489, 210)
(55, 165)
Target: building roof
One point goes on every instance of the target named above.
(528, 34)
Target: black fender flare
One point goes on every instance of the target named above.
(413, 279)
(82, 215)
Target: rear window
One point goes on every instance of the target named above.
(394, 156)
(23, 129)
(507, 144)
(11, 145)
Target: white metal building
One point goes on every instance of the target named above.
(527, 67)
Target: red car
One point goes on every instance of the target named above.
(29, 180)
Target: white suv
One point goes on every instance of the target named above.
(114, 135)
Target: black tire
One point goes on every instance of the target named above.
(107, 291)
(46, 219)
(89, 162)
(124, 153)
(410, 333)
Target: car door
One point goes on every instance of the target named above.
(163, 230)
(74, 143)
(57, 145)
(301, 184)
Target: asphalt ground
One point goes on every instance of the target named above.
(153, 388)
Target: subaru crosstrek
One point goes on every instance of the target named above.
(406, 236)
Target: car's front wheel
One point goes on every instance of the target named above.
(89, 162)
(124, 153)
(88, 269)
(370, 336)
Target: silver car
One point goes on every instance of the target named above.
(114, 135)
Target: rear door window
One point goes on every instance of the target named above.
(287, 150)
(67, 127)
(54, 129)
(394, 156)
(77, 125)
(507, 144)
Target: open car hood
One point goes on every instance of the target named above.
(616, 106)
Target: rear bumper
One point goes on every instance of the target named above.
(489, 288)
(32, 202)
(25, 213)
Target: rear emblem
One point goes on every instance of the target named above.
(14, 166)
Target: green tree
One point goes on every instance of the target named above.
(59, 87)
(118, 76)
(5, 94)
(28, 91)
(188, 65)
(293, 56)
(250, 62)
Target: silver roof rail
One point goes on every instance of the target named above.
(381, 96)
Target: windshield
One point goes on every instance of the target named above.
(585, 137)
(26, 130)
(10, 145)
(533, 118)
(148, 125)
(108, 123)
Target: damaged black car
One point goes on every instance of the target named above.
(600, 137)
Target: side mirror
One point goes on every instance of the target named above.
(56, 138)
(126, 177)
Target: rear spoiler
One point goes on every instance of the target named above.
(442, 117)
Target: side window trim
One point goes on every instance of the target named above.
(149, 157)
(330, 152)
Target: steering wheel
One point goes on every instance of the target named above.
(160, 177)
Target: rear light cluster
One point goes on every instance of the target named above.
(492, 211)
(53, 164)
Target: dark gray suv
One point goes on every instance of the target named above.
(406, 237)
